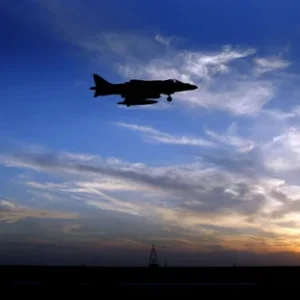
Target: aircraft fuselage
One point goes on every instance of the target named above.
(136, 92)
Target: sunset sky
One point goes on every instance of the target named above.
(211, 178)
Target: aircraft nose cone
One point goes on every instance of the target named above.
(193, 87)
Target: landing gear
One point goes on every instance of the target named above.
(169, 98)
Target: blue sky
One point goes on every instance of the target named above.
(211, 177)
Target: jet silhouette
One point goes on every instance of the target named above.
(138, 92)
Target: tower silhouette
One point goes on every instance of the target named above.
(153, 261)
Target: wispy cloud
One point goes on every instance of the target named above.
(198, 189)
(166, 138)
(190, 197)
(11, 212)
(227, 78)
(221, 84)
(247, 182)
(270, 64)
(231, 138)
(282, 154)
(166, 41)
(281, 115)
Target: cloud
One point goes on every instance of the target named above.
(166, 41)
(176, 180)
(270, 64)
(231, 138)
(200, 188)
(282, 115)
(166, 138)
(222, 84)
(186, 65)
(228, 78)
(11, 212)
(282, 154)
(43, 195)
(79, 157)
(202, 198)
(78, 25)
(247, 178)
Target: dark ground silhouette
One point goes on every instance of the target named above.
(149, 279)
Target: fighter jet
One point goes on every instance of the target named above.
(140, 92)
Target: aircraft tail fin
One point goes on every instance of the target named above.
(100, 84)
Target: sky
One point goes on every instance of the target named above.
(211, 178)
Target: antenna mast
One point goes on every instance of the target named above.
(153, 261)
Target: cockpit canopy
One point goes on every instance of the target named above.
(174, 80)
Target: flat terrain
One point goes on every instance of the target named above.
(128, 279)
